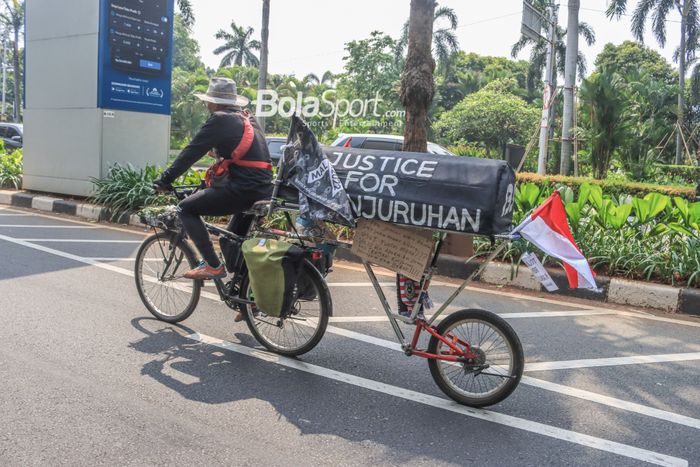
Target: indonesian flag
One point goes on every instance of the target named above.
(548, 229)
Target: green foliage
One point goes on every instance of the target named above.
(652, 237)
(10, 168)
(491, 116)
(633, 57)
(185, 48)
(238, 46)
(127, 189)
(679, 174)
(602, 106)
(614, 188)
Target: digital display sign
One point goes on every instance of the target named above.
(135, 55)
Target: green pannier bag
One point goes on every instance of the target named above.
(274, 268)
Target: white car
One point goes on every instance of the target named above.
(384, 142)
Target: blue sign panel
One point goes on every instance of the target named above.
(135, 55)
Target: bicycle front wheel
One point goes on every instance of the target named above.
(160, 265)
(497, 368)
(303, 328)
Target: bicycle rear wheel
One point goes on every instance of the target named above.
(160, 264)
(496, 371)
(303, 329)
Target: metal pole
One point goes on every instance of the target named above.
(548, 91)
(4, 80)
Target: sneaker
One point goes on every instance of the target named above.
(204, 271)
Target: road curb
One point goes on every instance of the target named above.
(612, 290)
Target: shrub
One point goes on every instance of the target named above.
(11, 169)
(614, 188)
(687, 174)
(128, 189)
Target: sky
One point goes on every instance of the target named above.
(308, 36)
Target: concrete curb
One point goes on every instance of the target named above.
(612, 290)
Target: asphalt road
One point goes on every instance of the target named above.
(87, 377)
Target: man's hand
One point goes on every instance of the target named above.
(161, 187)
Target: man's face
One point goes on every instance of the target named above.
(212, 107)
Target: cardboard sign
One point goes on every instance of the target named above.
(538, 270)
(400, 249)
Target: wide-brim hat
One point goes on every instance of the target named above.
(223, 91)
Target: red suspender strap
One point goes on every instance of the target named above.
(246, 140)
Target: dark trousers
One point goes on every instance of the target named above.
(220, 201)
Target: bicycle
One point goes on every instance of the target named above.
(166, 255)
(474, 356)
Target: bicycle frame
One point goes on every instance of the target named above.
(457, 354)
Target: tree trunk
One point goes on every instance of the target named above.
(18, 77)
(681, 85)
(567, 145)
(264, 33)
(417, 85)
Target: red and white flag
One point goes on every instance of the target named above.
(548, 229)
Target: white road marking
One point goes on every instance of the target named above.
(546, 385)
(613, 402)
(29, 226)
(73, 221)
(75, 240)
(525, 314)
(614, 361)
(499, 293)
(153, 260)
(656, 458)
(444, 404)
(14, 215)
(359, 284)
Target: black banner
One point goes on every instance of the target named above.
(452, 193)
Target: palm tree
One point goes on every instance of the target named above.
(185, 7)
(538, 53)
(13, 19)
(659, 10)
(311, 80)
(328, 78)
(238, 47)
(444, 39)
(602, 108)
(417, 85)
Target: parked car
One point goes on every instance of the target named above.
(274, 144)
(12, 134)
(385, 142)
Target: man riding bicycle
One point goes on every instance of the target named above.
(241, 176)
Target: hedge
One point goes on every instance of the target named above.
(610, 187)
(687, 173)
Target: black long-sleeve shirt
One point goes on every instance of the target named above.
(223, 132)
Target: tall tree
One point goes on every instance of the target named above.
(417, 85)
(264, 35)
(602, 109)
(239, 46)
(185, 48)
(567, 131)
(12, 18)
(445, 41)
(659, 11)
(185, 7)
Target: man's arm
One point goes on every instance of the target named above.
(203, 141)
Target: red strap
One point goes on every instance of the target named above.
(246, 140)
(254, 164)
